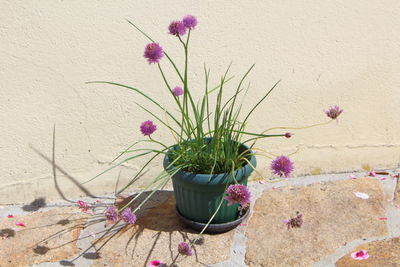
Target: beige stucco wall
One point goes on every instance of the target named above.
(326, 52)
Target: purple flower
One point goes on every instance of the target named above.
(333, 112)
(185, 249)
(111, 214)
(177, 91)
(177, 28)
(282, 166)
(189, 21)
(147, 128)
(238, 193)
(128, 216)
(153, 52)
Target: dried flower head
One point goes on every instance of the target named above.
(282, 166)
(189, 21)
(148, 127)
(128, 216)
(185, 249)
(111, 214)
(333, 112)
(177, 28)
(177, 91)
(295, 222)
(238, 193)
(153, 52)
(288, 135)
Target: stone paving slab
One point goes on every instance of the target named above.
(156, 236)
(384, 253)
(48, 236)
(397, 193)
(333, 216)
(336, 222)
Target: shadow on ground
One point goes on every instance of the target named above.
(35, 205)
(154, 236)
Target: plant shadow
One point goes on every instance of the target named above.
(157, 230)
(157, 217)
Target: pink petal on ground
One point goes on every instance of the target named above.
(87, 211)
(10, 216)
(382, 178)
(360, 255)
(20, 224)
(361, 195)
(155, 263)
(261, 182)
(274, 188)
(383, 218)
(83, 204)
(353, 177)
(372, 173)
(397, 206)
(242, 224)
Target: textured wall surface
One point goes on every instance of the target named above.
(326, 52)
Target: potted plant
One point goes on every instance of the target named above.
(213, 153)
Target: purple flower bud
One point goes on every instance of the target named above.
(111, 214)
(153, 52)
(148, 127)
(288, 135)
(189, 21)
(128, 216)
(177, 28)
(177, 91)
(185, 249)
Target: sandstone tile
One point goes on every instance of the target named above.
(49, 236)
(156, 236)
(381, 253)
(332, 214)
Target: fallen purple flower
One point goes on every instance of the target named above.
(295, 222)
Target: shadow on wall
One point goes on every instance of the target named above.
(55, 167)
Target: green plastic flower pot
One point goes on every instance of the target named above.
(198, 195)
